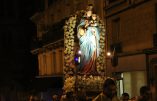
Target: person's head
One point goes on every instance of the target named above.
(55, 97)
(125, 97)
(69, 95)
(109, 88)
(145, 92)
(89, 10)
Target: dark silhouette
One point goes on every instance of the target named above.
(109, 91)
(125, 97)
(145, 94)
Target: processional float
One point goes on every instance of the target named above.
(84, 51)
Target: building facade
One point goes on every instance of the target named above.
(131, 32)
(131, 27)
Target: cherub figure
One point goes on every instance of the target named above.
(94, 21)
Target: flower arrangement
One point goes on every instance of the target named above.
(90, 83)
(94, 83)
(69, 42)
(69, 84)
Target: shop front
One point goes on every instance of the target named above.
(152, 74)
(130, 73)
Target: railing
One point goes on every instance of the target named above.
(52, 34)
(35, 43)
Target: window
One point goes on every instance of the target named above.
(40, 62)
(116, 44)
(155, 40)
(54, 61)
(45, 63)
(61, 60)
(155, 34)
(115, 30)
(156, 16)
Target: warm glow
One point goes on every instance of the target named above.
(108, 53)
(79, 52)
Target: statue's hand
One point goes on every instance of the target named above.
(81, 31)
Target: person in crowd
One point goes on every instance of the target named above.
(55, 98)
(68, 97)
(125, 97)
(109, 91)
(81, 94)
(145, 94)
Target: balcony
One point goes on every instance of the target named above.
(36, 43)
(52, 34)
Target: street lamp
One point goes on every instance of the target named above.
(108, 54)
(113, 56)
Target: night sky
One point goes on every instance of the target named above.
(17, 64)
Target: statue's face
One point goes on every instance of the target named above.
(89, 13)
(94, 16)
